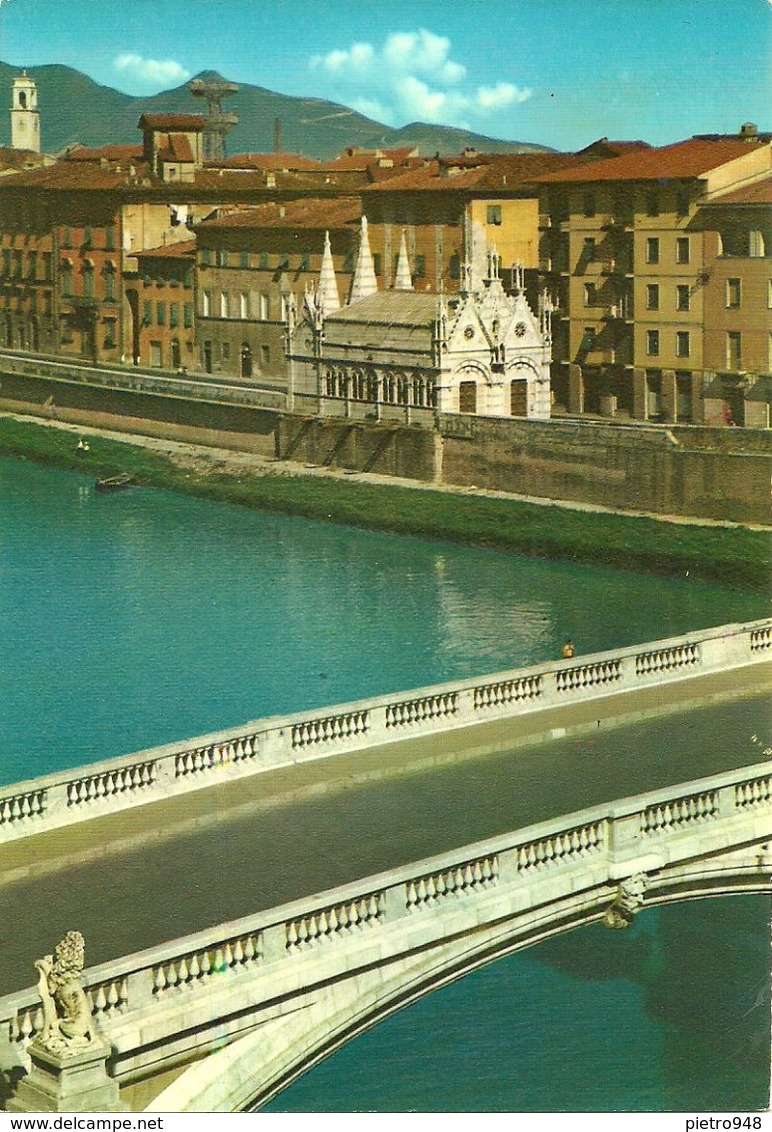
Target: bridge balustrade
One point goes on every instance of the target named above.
(132, 780)
(516, 887)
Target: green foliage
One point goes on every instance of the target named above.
(735, 556)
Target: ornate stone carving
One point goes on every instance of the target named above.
(628, 901)
(67, 1022)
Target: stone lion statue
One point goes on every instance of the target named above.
(67, 1022)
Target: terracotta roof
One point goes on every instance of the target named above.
(692, 158)
(275, 161)
(172, 122)
(296, 214)
(66, 175)
(484, 172)
(108, 152)
(758, 193)
(169, 251)
(179, 149)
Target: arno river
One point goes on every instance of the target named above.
(134, 619)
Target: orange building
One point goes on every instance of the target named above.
(161, 298)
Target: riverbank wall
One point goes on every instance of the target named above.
(696, 472)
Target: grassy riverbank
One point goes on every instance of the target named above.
(733, 556)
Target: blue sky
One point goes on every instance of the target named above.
(560, 72)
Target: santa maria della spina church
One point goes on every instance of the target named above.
(399, 354)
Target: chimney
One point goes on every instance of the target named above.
(277, 135)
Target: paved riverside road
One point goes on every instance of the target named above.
(136, 879)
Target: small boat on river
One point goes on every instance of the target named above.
(114, 483)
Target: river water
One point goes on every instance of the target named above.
(140, 618)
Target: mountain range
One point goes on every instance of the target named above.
(73, 109)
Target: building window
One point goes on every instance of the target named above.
(682, 249)
(32, 260)
(588, 204)
(454, 267)
(590, 296)
(6, 261)
(48, 302)
(17, 265)
(160, 313)
(683, 297)
(244, 305)
(88, 281)
(221, 257)
(588, 248)
(265, 356)
(756, 244)
(652, 297)
(109, 281)
(110, 333)
(244, 259)
(147, 313)
(652, 343)
(305, 263)
(225, 305)
(733, 294)
(174, 314)
(48, 267)
(206, 257)
(206, 303)
(264, 260)
(682, 202)
(88, 237)
(225, 351)
(188, 315)
(682, 344)
(110, 238)
(588, 340)
(494, 214)
(733, 349)
(420, 266)
(66, 237)
(348, 262)
(377, 261)
(652, 249)
(265, 307)
(652, 203)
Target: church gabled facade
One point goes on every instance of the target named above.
(401, 354)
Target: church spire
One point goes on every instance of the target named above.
(329, 297)
(403, 280)
(364, 282)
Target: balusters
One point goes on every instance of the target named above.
(336, 922)
(664, 660)
(588, 675)
(417, 711)
(761, 638)
(22, 807)
(199, 967)
(458, 880)
(111, 783)
(666, 816)
(756, 792)
(313, 732)
(508, 692)
(562, 848)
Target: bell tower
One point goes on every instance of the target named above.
(25, 116)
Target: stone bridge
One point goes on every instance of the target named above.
(224, 1018)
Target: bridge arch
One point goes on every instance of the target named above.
(256, 1068)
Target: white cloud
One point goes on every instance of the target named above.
(501, 95)
(154, 71)
(412, 76)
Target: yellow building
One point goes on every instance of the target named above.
(624, 253)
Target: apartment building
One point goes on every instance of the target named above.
(251, 264)
(625, 253)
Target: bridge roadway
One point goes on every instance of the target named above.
(139, 877)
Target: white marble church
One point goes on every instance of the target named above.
(404, 355)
